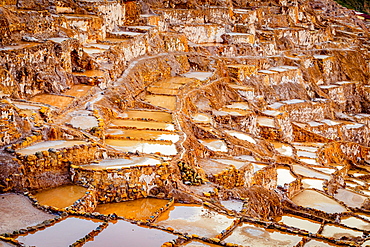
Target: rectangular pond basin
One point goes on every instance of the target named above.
(194, 219)
(201, 118)
(168, 102)
(123, 233)
(140, 209)
(310, 173)
(44, 146)
(251, 235)
(316, 200)
(300, 222)
(355, 223)
(123, 163)
(60, 197)
(163, 91)
(147, 147)
(214, 145)
(153, 115)
(241, 136)
(143, 134)
(58, 101)
(337, 232)
(61, 234)
(284, 176)
(350, 198)
(141, 124)
(78, 90)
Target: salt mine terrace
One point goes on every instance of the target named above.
(149, 124)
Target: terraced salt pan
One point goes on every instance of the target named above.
(214, 145)
(257, 167)
(309, 183)
(154, 115)
(44, 146)
(272, 113)
(25, 106)
(163, 91)
(148, 147)
(231, 112)
(306, 148)
(239, 105)
(309, 161)
(143, 134)
(211, 167)
(241, 136)
(283, 148)
(53, 100)
(140, 124)
(315, 243)
(82, 119)
(250, 235)
(284, 176)
(139, 209)
(61, 196)
(308, 172)
(236, 163)
(122, 233)
(194, 219)
(78, 90)
(301, 223)
(234, 205)
(266, 121)
(202, 76)
(332, 231)
(316, 200)
(350, 198)
(122, 163)
(63, 233)
(306, 154)
(201, 118)
(356, 223)
(168, 102)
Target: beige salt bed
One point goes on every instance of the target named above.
(121, 163)
(241, 136)
(154, 115)
(148, 147)
(17, 212)
(350, 198)
(284, 176)
(266, 121)
(141, 124)
(308, 172)
(250, 235)
(44, 146)
(238, 164)
(143, 134)
(168, 102)
(339, 231)
(309, 183)
(214, 144)
(316, 200)
(283, 148)
(355, 223)
(301, 223)
(194, 219)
